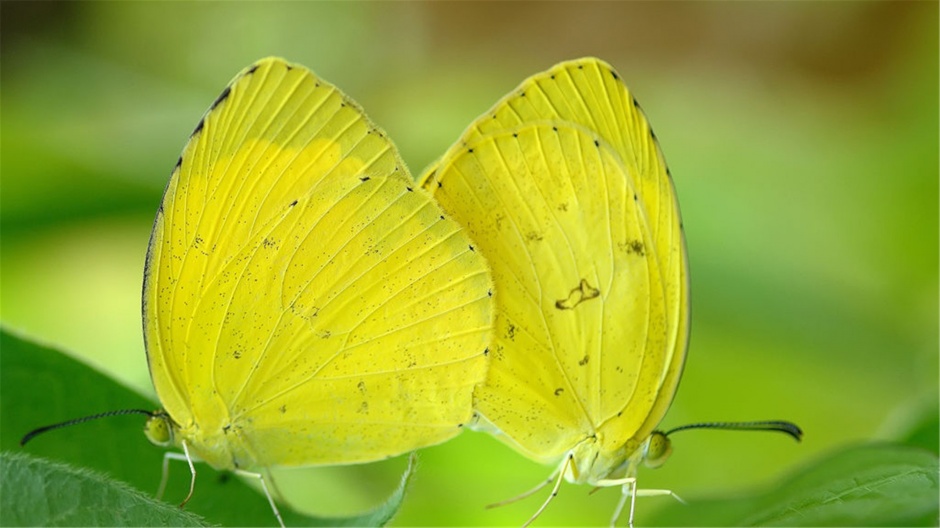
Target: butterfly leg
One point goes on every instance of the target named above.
(628, 489)
(561, 475)
(192, 471)
(172, 455)
(267, 493)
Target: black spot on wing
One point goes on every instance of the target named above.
(583, 292)
(222, 97)
(198, 129)
(252, 70)
(614, 75)
(364, 179)
(635, 247)
(179, 163)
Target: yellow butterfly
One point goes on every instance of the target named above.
(563, 188)
(304, 303)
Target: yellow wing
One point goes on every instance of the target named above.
(564, 190)
(303, 303)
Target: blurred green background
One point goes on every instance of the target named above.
(803, 139)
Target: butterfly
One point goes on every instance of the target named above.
(563, 188)
(304, 302)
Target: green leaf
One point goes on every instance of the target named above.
(924, 432)
(868, 485)
(38, 492)
(40, 385)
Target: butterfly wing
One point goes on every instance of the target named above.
(565, 191)
(303, 302)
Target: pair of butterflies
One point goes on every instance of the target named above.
(307, 302)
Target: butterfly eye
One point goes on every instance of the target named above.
(657, 450)
(159, 430)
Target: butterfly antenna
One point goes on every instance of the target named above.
(35, 432)
(780, 426)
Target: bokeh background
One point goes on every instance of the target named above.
(803, 138)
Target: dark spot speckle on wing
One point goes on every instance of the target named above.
(198, 129)
(222, 96)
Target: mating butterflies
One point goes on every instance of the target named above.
(305, 302)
